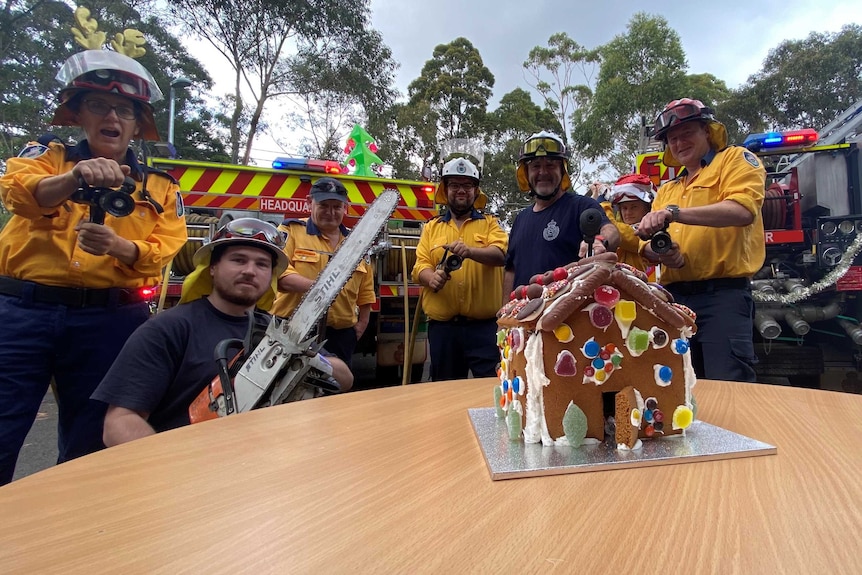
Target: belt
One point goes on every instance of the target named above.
(707, 286)
(68, 296)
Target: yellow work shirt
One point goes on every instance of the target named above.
(309, 250)
(475, 290)
(40, 244)
(629, 250)
(732, 252)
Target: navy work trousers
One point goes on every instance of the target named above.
(461, 345)
(75, 346)
(723, 347)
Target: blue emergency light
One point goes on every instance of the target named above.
(789, 139)
(308, 165)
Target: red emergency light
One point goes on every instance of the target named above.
(426, 199)
(789, 139)
(308, 165)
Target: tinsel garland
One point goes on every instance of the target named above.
(827, 281)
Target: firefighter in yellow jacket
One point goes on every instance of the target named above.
(310, 244)
(69, 285)
(629, 200)
(712, 212)
(459, 261)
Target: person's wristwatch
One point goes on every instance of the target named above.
(674, 212)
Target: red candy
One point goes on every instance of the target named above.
(561, 274)
(589, 371)
(658, 415)
(649, 430)
(609, 367)
(537, 279)
(601, 317)
(607, 296)
(605, 354)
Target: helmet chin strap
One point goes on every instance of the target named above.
(547, 197)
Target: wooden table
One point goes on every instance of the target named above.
(393, 480)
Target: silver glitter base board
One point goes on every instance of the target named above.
(514, 459)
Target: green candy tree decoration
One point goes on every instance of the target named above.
(361, 157)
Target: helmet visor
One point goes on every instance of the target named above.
(250, 228)
(543, 147)
(114, 80)
(677, 114)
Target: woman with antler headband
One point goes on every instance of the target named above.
(77, 251)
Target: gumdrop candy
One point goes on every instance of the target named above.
(625, 313)
(498, 402)
(600, 316)
(566, 364)
(606, 295)
(637, 341)
(591, 349)
(518, 340)
(682, 417)
(575, 425)
(501, 337)
(564, 333)
(513, 422)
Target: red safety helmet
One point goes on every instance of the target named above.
(688, 110)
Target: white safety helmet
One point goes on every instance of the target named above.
(460, 167)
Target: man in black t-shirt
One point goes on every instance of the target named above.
(168, 360)
(547, 234)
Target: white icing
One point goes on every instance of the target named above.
(585, 441)
(639, 400)
(535, 427)
(623, 447)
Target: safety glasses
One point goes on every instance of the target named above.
(102, 108)
(114, 80)
(678, 114)
(253, 229)
(546, 145)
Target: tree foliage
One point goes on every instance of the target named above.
(278, 48)
(456, 85)
(803, 83)
(641, 71)
(35, 39)
(514, 120)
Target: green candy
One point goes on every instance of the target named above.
(498, 396)
(513, 422)
(575, 425)
(693, 407)
(638, 340)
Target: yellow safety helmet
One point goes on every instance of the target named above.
(543, 145)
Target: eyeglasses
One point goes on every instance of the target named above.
(114, 80)
(459, 186)
(102, 108)
(254, 229)
(678, 114)
(546, 145)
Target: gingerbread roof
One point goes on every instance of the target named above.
(553, 296)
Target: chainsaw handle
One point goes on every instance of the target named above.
(221, 353)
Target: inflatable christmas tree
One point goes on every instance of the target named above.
(361, 157)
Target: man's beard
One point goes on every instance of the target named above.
(239, 299)
(460, 210)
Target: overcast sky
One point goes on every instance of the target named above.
(729, 39)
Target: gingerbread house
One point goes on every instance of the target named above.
(591, 349)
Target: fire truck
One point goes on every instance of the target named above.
(215, 192)
(807, 304)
